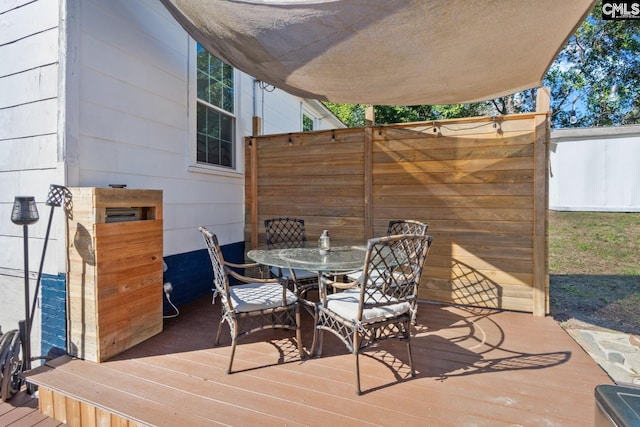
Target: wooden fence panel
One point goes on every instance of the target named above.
(477, 182)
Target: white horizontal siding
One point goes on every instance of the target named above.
(280, 112)
(28, 120)
(30, 52)
(121, 127)
(134, 120)
(122, 97)
(11, 295)
(28, 134)
(27, 19)
(27, 154)
(29, 86)
(8, 5)
(37, 118)
(142, 30)
(32, 183)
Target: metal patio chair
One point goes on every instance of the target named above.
(406, 226)
(399, 226)
(290, 233)
(381, 306)
(255, 305)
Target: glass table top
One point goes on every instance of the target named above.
(341, 258)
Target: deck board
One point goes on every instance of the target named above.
(22, 411)
(473, 366)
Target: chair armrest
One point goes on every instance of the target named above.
(335, 285)
(248, 279)
(343, 285)
(245, 265)
(258, 267)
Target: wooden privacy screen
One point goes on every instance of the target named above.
(481, 185)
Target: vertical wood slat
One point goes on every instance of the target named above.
(256, 129)
(88, 414)
(370, 120)
(73, 413)
(368, 180)
(45, 402)
(541, 204)
(60, 407)
(253, 165)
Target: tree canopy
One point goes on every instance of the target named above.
(594, 81)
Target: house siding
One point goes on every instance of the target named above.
(28, 141)
(111, 85)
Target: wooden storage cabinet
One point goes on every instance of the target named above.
(114, 273)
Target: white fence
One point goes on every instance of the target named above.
(595, 169)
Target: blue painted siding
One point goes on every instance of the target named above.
(54, 315)
(191, 274)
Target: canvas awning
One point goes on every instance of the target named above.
(386, 52)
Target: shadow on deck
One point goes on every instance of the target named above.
(473, 367)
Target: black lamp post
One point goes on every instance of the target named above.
(25, 213)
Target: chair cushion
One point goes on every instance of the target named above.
(259, 296)
(300, 274)
(357, 276)
(345, 304)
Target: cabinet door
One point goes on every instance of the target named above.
(128, 284)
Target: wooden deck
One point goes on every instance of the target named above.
(22, 411)
(474, 367)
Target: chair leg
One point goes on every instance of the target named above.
(299, 333)
(356, 352)
(413, 372)
(357, 373)
(320, 338)
(233, 352)
(218, 333)
(316, 345)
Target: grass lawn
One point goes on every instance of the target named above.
(594, 264)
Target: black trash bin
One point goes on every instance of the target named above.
(617, 406)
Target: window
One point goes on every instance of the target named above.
(215, 122)
(307, 123)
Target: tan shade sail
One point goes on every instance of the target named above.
(387, 52)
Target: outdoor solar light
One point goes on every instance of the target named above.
(25, 213)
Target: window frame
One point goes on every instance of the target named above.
(193, 102)
(304, 111)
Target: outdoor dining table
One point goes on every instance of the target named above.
(341, 259)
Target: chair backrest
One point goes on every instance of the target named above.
(220, 278)
(284, 232)
(406, 226)
(392, 269)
